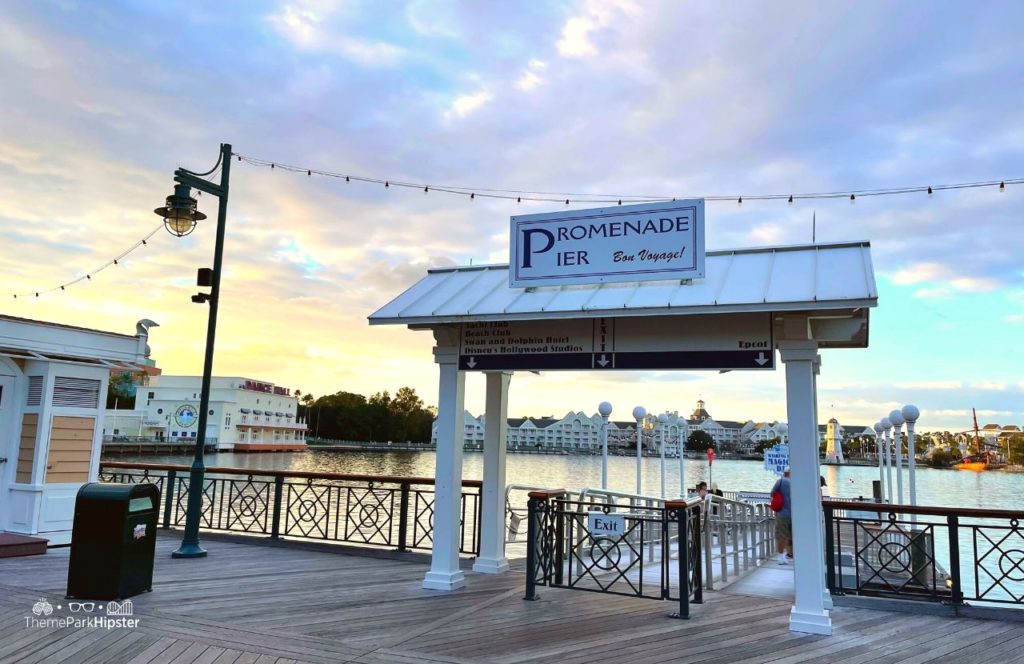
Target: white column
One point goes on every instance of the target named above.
(886, 430)
(492, 528)
(808, 614)
(910, 414)
(445, 573)
(825, 594)
(681, 447)
(881, 463)
(897, 439)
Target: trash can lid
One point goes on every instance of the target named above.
(113, 492)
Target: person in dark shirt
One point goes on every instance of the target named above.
(784, 521)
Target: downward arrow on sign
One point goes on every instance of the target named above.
(603, 362)
(761, 359)
(471, 363)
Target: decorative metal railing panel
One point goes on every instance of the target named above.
(657, 555)
(355, 509)
(928, 553)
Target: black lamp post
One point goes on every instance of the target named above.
(180, 216)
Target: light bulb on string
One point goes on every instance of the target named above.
(929, 191)
(1002, 187)
(790, 199)
(853, 198)
(739, 201)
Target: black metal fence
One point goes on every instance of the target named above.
(652, 552)
(928, 553)
(394, 512)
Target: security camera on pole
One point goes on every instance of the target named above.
(639, 413)
(896, 417)
(605, 410)
(662, 419)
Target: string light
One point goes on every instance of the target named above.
(116, 260)
(561, 197)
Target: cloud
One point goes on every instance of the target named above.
(996, 385)
(577, 33)
(531, 76)
(466, 104)
(919, 272)
(1015, 319)
(304, 25)
(931, 385)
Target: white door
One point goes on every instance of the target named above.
(8, 441)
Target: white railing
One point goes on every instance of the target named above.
(738, 535)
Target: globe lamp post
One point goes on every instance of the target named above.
(605, 410)
(639, 413)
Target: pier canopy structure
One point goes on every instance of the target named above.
(797, 299)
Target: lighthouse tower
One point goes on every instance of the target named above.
(833, 443)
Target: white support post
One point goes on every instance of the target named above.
(897, 439)
(492, 529)
(445, 573)
(825, 594)
(808, 613)
(886, 439)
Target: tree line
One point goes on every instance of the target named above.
(381, 417)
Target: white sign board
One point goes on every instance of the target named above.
(606, 525)
(702, 341)
(776, 458)
(644, 242)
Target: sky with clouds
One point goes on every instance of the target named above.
(102, 100)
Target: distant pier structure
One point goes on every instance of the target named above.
(833, 443)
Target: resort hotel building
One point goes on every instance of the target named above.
(245, 415)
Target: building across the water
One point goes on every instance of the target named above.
(245, 415)
(579, 432)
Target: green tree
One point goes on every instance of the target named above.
(1015, 449)
(699, 441)
(121, 391)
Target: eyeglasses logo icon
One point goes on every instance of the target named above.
(87, 607)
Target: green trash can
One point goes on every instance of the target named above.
(113, 540)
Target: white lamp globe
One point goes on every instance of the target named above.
(886, 423)
(782, 428)
(896, 417)
(878, 427)
(911, 413)
(604, 408)
(639, 413)
(663, 418)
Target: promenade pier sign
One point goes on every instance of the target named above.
(717, 342)
(645, 242)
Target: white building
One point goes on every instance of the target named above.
(244, 414)
(579, 432)
(53, 388)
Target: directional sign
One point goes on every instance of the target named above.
(714, 342)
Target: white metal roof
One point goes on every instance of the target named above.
(786, 278)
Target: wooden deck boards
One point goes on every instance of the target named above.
(252, 604)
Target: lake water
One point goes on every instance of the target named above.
(948, 488)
